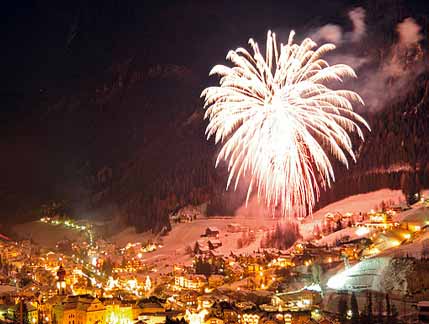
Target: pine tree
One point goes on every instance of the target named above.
(19, 317)
(342, 308)
(354, 308)
(379, 308)
(368, 309)
(394, 315)
(25, 318)
(388, 308)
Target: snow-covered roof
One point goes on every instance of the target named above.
(216, 241)
(420, 215)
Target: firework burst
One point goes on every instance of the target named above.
(279, 122)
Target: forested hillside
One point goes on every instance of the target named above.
(129, 122)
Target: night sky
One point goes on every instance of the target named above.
(55, 49)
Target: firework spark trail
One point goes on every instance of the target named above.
(275, 117)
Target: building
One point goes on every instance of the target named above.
(205, 301)
(211, 231)
(151, 313)
(214, 320)
(235, 228)
(249, 318)
(387, 240)
(118, 312)
(254, 267)
(61, 282)
(83, 309)
(301, 300)
(423, 309)
(190, 281)
(15, 311)
(216, 281)
(416, 219)
(214, 244)
(187, 299)
(32, 312)
(201, 247)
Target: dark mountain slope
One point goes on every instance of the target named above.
(102, 109)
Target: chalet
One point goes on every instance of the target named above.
(205, 301)
(416, 220)
(214, 244)
(399, 208)
(187, 299)
(230, 315)
(245, 306)
(211, 232)
(236, 270)
(214, 320)
(216, 281)
(201, 247)
(152, 313)
(190, 281)
(236, 228)
(215, 254)
(254, 267)
(301, 300)
(251, 317)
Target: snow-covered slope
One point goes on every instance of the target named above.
(350, 232)
(46, 235)
(353, 204)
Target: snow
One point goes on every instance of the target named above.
(129, 235)
(172, 248)
(419, 214)
(46, 235)
(351, 232)
(366, 274)
(354, 204)
(412, 248)
(254, 217)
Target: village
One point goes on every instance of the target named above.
(97, 281)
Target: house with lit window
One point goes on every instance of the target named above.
(216, 280)
(14, 312)
(151, 313)
(211, 231)
(187, 299)
(416, 219)
(249, 318)
(300, 300)
(190, 281)
(214, 320)
(118, 311)
(214, 244)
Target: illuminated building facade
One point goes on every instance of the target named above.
(61, 282)
(79, 310)
(118, 313)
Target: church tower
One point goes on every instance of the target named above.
(61, 282)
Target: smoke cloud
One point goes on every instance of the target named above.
(380, 81)
(396, 75)
(334, 33)
(409, 32)
(357, 16)
(330, 33)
